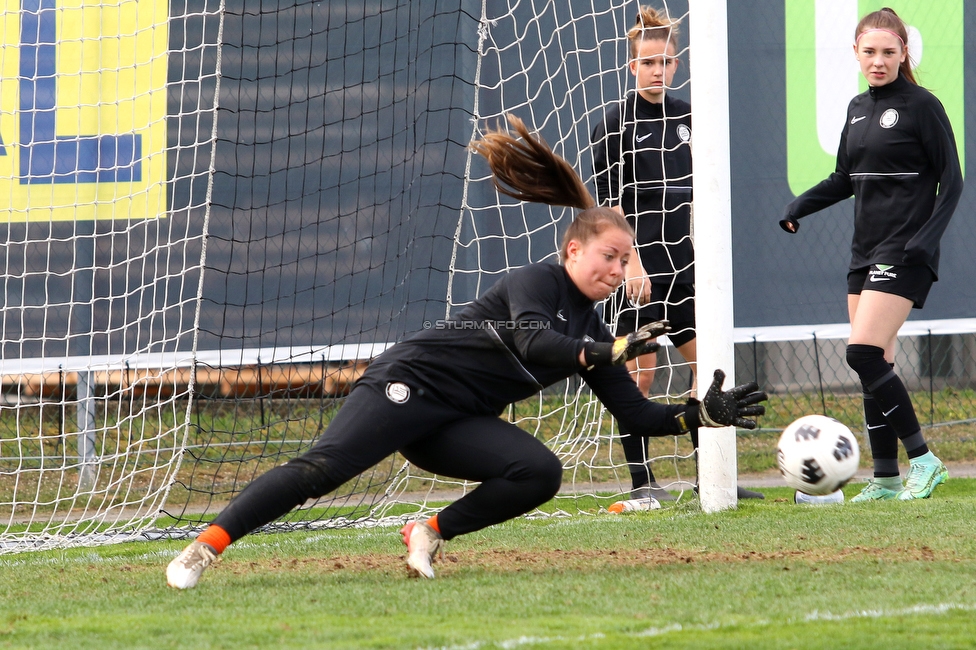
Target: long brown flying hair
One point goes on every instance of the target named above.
(525, 168)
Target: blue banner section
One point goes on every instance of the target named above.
(45, 156)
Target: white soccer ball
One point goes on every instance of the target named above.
(817, 454)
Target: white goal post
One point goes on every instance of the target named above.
(709, 63)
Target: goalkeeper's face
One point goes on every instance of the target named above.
(597, 266)
(654, 67)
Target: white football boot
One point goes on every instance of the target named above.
(423, 545)
(186, 569)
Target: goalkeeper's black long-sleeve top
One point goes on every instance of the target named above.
(898, 157)
(523, 334)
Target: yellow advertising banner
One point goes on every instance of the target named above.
(83, 110)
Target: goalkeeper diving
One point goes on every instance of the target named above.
(436, 396)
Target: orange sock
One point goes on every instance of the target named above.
(432, 522)
(215, 536)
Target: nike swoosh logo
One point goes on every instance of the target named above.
(877, 426)
(641, 139)
(879, 279)
(891, 411)
(855, 120)
(559, 315)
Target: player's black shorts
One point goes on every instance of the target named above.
(674, 302)
(911, 282)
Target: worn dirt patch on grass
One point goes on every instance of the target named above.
(557, 560)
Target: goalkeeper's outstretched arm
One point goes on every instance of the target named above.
(738, 406)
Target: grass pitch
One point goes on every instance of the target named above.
(770, 574)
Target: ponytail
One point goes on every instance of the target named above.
(526, 169)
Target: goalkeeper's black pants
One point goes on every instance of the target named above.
(516, 471)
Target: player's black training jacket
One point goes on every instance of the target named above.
(523, 334)
(642, 162)
(898, 157)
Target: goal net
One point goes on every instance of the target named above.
(220, 211)
(560, 67)
(106, 125)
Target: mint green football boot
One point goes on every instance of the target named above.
(926, 473)
(879, 489)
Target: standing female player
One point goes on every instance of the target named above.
(898, 157)
(436, 397)
(642, 168)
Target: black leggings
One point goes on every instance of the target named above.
(516, 471)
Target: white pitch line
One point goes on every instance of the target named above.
(940, 608)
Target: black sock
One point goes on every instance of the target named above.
(896, 405)
(635, 451)
(880, 381)
(884, 442)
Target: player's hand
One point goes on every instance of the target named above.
(790, 224)
(637, 285)
(638, 343)
(638, 290)
(727, 408)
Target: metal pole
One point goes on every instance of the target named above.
(80, 328)
(86, 431)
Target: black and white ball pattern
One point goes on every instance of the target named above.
(817, 454)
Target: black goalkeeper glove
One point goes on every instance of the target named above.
(724, 408)
(638, 343)
(625, 348)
